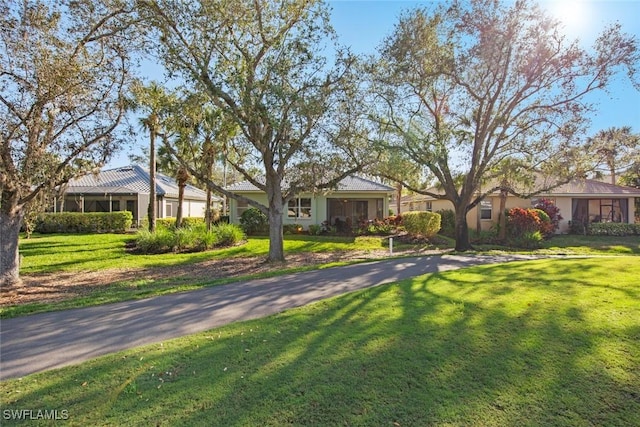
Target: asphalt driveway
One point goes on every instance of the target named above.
(51, 340)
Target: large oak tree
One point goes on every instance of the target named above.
(464, 86)
(264, 65)
(64, 73)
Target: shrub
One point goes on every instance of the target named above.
(315, 229)
(421, 223)
(187, 239)
(552, 211)
(292, 229)
(254, 221)
(520, 221)
(529, 240)
(89, 222)
(171, 222)
(447, 222)
(613, 229)
(160, 241)
(228, 234)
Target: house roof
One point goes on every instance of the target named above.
(348, 184)
(130, 180)
(575, 188)
(592, 187)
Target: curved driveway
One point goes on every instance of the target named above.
(51, 340)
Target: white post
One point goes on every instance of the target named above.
(391, 245)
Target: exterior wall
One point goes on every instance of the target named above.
(318, 206)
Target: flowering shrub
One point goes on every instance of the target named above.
(553, 212)
(527, 227)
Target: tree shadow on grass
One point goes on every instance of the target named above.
(486, 348)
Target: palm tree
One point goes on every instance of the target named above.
(155, 102)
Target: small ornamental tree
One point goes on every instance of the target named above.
(553, 211)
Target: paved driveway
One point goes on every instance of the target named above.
(51, 340)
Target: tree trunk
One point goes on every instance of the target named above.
(152, 181)
(9, 239)
(276, 209)
(502, 218)
(207, 212)
(462, 230)
(398, 198)
(181, 186)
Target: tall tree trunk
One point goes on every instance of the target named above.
(398, 198)
(207, 212)
(10, 221)
(152, 180)
(462, 229)
(276, 209)
(181, 186)
(502, 218)
(183, 177)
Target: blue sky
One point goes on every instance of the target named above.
(363, 24)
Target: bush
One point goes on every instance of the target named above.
(315, 229)
(613, 229)
(158, 242)
(292, 229)
(187, 239)
(552, 211)
(227, 234)
(171, 222)
(254, 221)
(421, 223)
(89, 222)
(447, 222)
(521, 221)
(529, 240)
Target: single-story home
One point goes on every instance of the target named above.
(583, 201)
(354, 200)
(127, 188)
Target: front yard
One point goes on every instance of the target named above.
(547, 342)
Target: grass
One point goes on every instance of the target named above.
(548, 342)
(64, 252)
(72, 252)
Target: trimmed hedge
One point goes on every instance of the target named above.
(88, 222)
(421, 223)
(613, 229)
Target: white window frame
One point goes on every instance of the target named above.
(295, 208)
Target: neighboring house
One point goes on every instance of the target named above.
(127, 188)
(583, 201)
(354, 200)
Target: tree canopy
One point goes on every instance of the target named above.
(263, 64)
(460, 88)
(64, 75)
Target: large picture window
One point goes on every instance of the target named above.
(299, 208)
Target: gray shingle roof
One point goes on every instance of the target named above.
(348, 184)
(128, 180)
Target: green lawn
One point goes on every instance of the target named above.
(549, 342)
(48, 253)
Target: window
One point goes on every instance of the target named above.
(299, 208)
(241, 207)
(486, 206)
(168, 210)
(428, 207)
